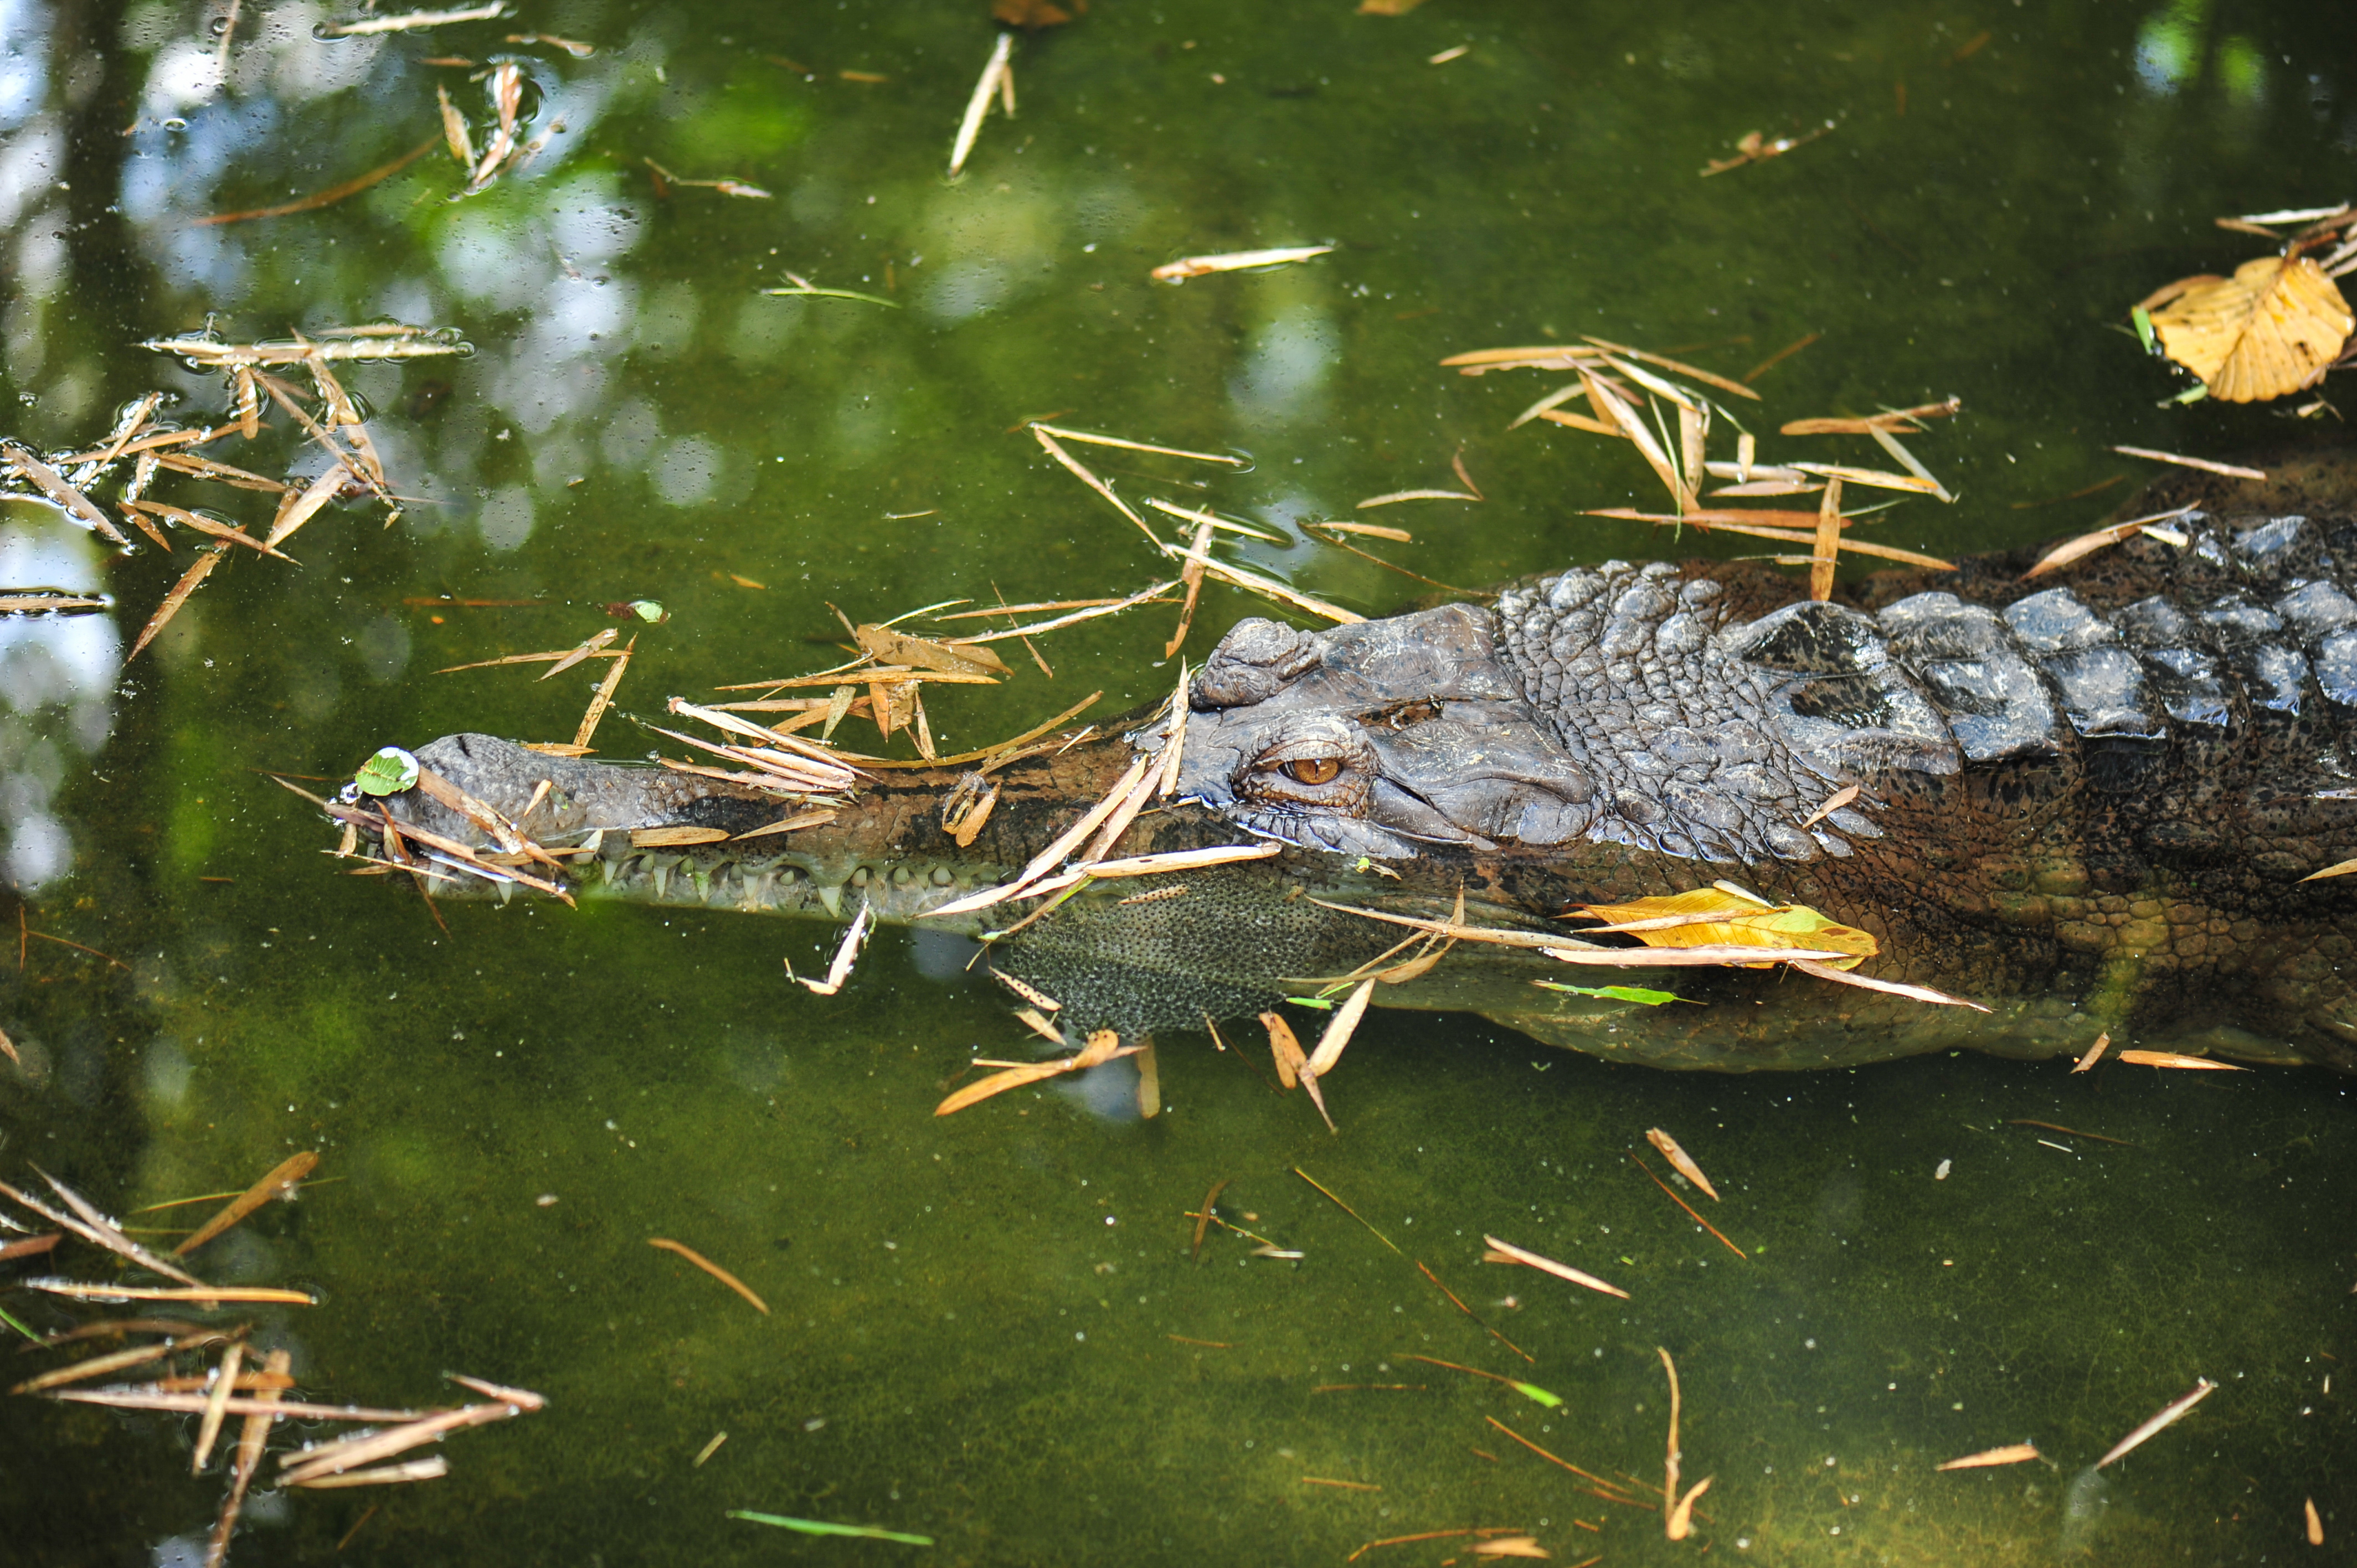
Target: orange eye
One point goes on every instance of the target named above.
(1313, 770)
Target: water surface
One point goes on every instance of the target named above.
(987, 1329)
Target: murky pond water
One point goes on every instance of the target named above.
(989, 1329)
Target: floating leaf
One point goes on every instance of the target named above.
(2274, 328)
(821, 1527)
(1636, 993)
(389, 772)
(649, 611)
(1708, 916)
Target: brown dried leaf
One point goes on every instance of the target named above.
(2274, 328)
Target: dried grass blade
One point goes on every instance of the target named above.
(1081, 471)
(428, 1469)
(709, 1267)
(978, 105)
(2167, 1416)
(217, 1407)
(1874, 478)
(1048, 859)
(2012, 1453)
(1680, 1160)
(1554, 400)
(53, 485)
(2095, 1053)
(603, 696)
(1223, 524)
(1102, 1046)
(1832, 804)
(1145, 595)
(1508, 1253)
(846, 953)
(96, 1228)
(98, 1366)
(1679, 368)
(1827, 553)
(1181, 860)
(1607, 402)
(369, 25)
(83, 1290)
(597, 641)
(2173, 1059)
(2231, 470)
(141, 511)
(1339, 1030)
(1393, 496)
(1095, 440)
(280, 1182)
(352, 1453)
(1906, 459)
(1267, 587)
(252, 1438)
(1888, 987)
(1187, 267)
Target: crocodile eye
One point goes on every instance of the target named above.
(1313, 770)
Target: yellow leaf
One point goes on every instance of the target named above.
(1710, 916)
(2271, 328)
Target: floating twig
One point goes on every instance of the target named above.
(714, 1270)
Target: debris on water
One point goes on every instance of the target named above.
(709, 1267)
(1507, 1252)
(2166, 1417)
(1102, 1046)
(1681, 1203)
(846, 953)
(280, 1184)
(1680, 1160)
(1284, 1048)
(1944, 1168)
(1345, 1207)
(2231, 470)
(1754, 147)
(367, 26)
(724, 187)
(389, 771)
(996, 70)
(2274, 328)
(1234, 261)
(1531, 1391)
(1339, 1030)
(2012, 1453)
(1393, 496)
(2088, 543)
(2174, 1060)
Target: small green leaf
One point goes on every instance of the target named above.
(821, 1527)
(649, 611)
(2194, 393)
(1533, 1391)
(389, 772)
(1616, 993)
(1320, 1002)
(2143, 319)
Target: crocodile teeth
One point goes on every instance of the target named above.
(832, 897)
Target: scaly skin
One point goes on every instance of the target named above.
(2087, 810)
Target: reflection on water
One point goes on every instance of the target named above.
(57, 680)
(990, 1328)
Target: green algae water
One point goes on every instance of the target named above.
(991, 1330)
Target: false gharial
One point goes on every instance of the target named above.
(2085, 801)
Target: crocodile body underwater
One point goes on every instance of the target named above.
(2086, 802)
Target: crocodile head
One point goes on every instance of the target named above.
(1592, 715)
(1381, 738)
